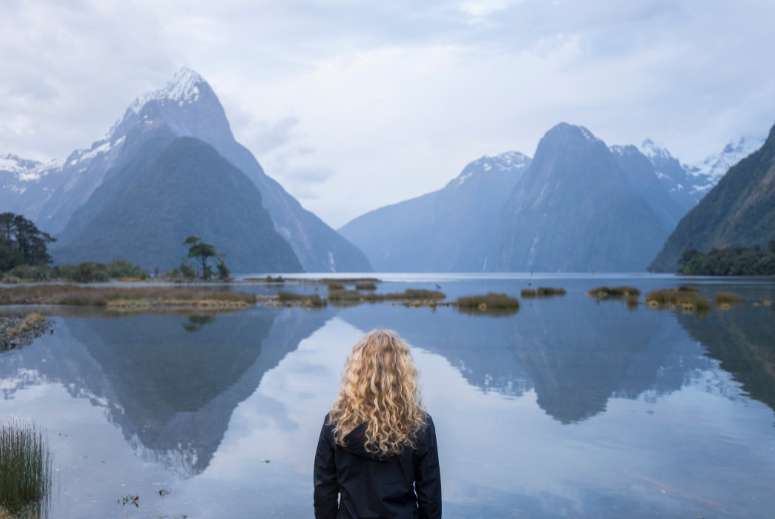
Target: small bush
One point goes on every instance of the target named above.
(365, 285)
(25, 470)
(335, 285)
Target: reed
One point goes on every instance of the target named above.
(25, 470)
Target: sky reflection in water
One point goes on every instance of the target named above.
(568, 409)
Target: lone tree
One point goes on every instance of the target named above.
(204, 252)
(22, 243)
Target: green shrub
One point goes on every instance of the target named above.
(365, 285)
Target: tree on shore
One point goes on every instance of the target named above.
(204, 252)
(22, 243)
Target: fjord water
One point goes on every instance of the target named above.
(568, 408)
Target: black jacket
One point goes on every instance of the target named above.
(407, 486)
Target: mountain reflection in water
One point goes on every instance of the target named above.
(594, 409)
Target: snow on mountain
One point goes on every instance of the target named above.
(717, 164)
(182, 89)
(502, 162)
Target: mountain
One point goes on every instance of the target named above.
(576, 210)
(449, 230)
(738, 211)
(685, 184)
(688, 183)
(26, 185)
(167, 189)
(644, 178)
(189, 107)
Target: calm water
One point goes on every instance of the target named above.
(570, 408)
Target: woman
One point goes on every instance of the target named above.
(377, 449)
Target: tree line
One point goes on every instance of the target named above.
(24, 256)
(730, 261)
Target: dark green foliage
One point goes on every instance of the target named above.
(168, 189)
(732, 261)
(25, 470)
(224, 274)
(366, 285)
(22, 243)
(335, 285)
(203, 252)
(738, 212)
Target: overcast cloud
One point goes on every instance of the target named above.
(352, 105)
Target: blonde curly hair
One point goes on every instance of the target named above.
(379, 389)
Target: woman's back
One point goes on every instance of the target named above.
(377, 455)
(407, 485)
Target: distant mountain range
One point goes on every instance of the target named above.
(738, 211)
(52, 194)
(579, 205)
(453, 229)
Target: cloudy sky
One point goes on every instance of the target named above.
(353, 104)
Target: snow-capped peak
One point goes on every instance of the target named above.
(718, 164)
(184, 88)
(506, 161)
(654, 151)
(26, 170)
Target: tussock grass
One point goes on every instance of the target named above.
(297, 299)
(677, 299)
(414, 296)
(125, 297)
(492, 302)
(613, 292)
(728, 298)
(542, 292)
(25, 470)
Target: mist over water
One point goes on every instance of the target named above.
(569, 408)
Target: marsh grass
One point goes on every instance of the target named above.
(335, 285)
(297, 299)
(726, 298)
(365, 285)
(25, 470)
(410, 296)
(542, 292)
(125, 298)
(494, 303)
(689, 301)
(621, 292)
